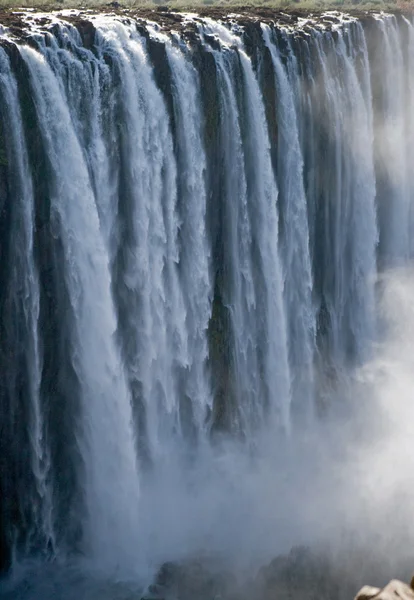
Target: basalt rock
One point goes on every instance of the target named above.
(300, 575)
(193, 579)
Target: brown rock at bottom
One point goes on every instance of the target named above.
(392, 591)
(367, 592)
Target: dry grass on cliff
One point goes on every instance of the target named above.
(288, 5)
(311, 5)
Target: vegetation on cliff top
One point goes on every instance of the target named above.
(288, 5)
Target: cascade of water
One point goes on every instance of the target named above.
(258, 314)
(409, 129)
(334, 231)
(24, 294)
(295, 240)
(345, 232)
(390, 128)
(238, 293)
(87, 84)
(195, 267)
(107, 437)
(151, 306)
(359, 195)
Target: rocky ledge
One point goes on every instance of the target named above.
(21, 23)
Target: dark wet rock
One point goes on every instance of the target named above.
(87, 32)
(152, 596)
(300, 575)
(162, 75)
(193, 579)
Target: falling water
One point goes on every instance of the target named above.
(24, 295)
(295, 245)
(390, 149)
(194, 258)
(256, 307)
(107, 421)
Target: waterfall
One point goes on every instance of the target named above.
(195, 255)
(194, 217)
(295, 245)
(107, 421)
(409, 137)
(391, 166)
(24, 300)
(255, 301)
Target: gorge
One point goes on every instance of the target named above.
(206, 231)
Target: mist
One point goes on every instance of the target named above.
(343, 488)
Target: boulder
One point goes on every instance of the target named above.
(302, 574)
(367, 592)
(394, 590)
(192, 580)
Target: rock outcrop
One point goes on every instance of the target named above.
(192, 579)
(392, 591)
